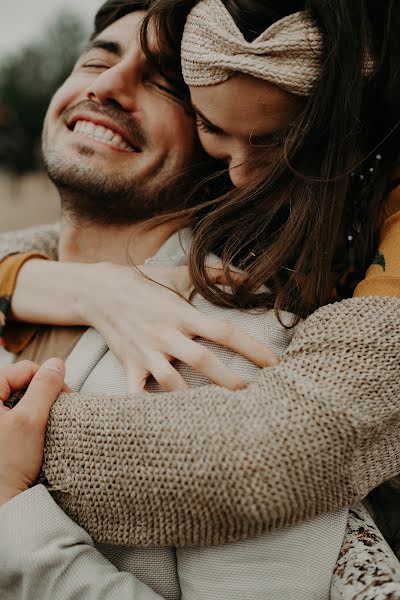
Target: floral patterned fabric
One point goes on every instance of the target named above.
(366, 568)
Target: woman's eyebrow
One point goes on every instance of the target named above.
(204, 118)
(257, 138)
(107, 45)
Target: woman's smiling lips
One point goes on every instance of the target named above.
(102, 130)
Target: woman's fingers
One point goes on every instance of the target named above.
(204, 361)
(230, 336)
(159, 367)
(217, 275)
(165, 374)
(43, 391)
(136, 377)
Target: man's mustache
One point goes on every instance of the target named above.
(128, 123)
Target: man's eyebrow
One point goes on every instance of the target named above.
(108, 46)
(202, 116)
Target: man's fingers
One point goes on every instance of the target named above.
(230, 336)
(16, 377)
(43, 390)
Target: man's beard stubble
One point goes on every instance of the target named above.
(91, 196)
(98, 198)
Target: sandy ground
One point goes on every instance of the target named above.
(28, 200)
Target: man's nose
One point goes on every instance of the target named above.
(118, 86)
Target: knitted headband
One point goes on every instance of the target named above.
(288, 53)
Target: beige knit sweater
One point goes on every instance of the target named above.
(208, 466)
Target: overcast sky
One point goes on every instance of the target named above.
(24, 20)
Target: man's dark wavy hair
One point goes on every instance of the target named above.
(112, 10)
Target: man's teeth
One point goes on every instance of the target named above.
(102, 134)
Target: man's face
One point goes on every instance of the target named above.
(114, 134)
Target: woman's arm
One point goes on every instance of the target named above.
(146, 325)
(383, 276)
(210, 466)
(322, 438)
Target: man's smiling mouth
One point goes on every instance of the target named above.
(102, 134)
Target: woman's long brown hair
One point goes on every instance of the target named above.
(316, 211)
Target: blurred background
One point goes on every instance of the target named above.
(39, 43)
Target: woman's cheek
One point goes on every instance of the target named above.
(210, 145)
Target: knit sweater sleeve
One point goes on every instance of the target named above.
(209, 466)
(42, 239)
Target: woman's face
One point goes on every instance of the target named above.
(240, 120)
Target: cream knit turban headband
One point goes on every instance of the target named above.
(288, 53)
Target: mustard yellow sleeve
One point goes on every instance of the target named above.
(383, 276)
(13, 336)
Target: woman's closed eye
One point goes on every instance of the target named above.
(206, 127)
(258, 141)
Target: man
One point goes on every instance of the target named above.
(90, 90)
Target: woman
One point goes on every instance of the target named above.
(311, 213)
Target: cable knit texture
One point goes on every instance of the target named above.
(208, 466)
(287, 54)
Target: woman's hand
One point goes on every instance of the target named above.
(147, 326)
(22, 429)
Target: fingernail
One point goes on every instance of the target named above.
(54, 364)
(273, 361)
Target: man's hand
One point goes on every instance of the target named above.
(22, 429)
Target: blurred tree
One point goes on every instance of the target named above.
(28, 79)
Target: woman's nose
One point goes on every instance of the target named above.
(240, 173)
